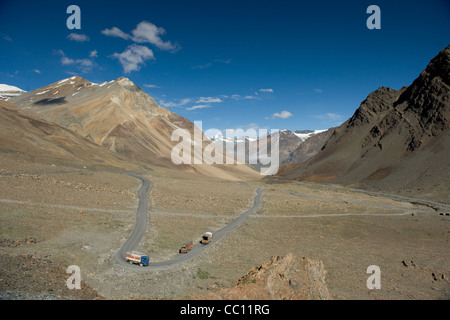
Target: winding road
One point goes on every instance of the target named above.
(119, 259)
(141, 225)
(142, 218)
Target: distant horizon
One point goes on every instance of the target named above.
(253, 64)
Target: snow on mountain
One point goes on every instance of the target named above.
(303, 135)
(219, 139)
(307, 134)
(8, 88)
(7, 91)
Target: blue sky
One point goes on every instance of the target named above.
(231, 64)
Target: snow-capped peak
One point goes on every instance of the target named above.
(308, 134)
(7, 91)
(8, 88)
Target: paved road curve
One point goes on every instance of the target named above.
(141, 225)
(141, 222)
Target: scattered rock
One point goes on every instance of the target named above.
(216, 286)
(15, 243)
(439, 276)
(409, 264)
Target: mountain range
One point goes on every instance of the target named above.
(294, 147)
(121, 118)
(115, 116)
(397, 140)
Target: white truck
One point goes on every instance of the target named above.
(206, 238)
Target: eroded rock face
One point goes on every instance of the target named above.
(282, 278)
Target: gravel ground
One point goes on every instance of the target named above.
(28, 277)
(38, 242)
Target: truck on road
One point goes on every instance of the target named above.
(186, 247)
(137, 258)
(206, 238)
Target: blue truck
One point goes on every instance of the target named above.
(139, 258)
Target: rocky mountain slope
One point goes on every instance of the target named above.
(290, 141)
(396, 140)
(120, 116)
(309, 147)
(282, 278)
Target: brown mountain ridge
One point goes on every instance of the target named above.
(121, 117)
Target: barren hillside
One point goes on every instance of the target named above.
(120, 116)
(396, 140)
(31, 139)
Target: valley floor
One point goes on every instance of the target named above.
(53, 217)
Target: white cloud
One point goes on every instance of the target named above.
(116, 32)
(239, 97)
(37, 71)
(334, 115)
(318, 90)
(329, 116)
(93, 54)
(147, 32)
(283, 115)
(209, 64)
(174, 104)
(151, 86)
(6, 37)
(78, 37)
(134, 57)
(203, 66)
(202, 106)
(209, 100)
(266, 90)
(84, 65)
(224, 61)
(254, 126)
